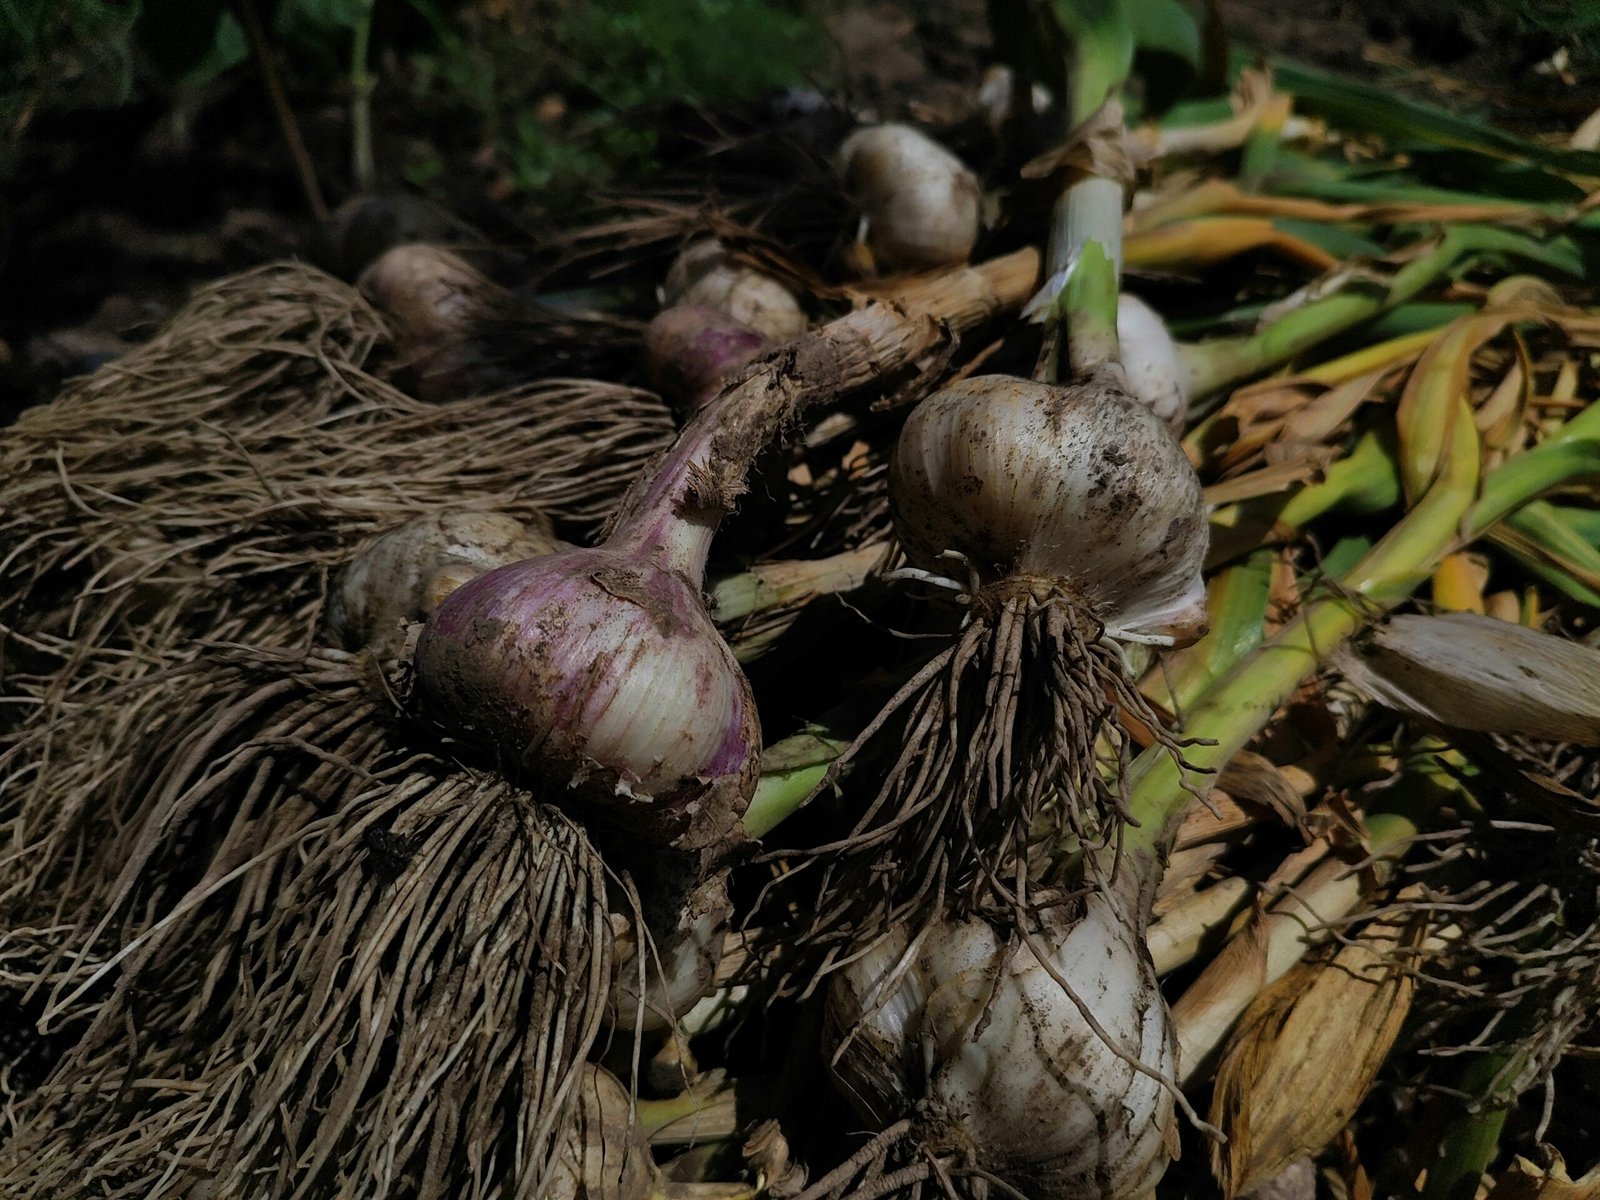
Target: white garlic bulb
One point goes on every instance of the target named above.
(1079, 484)
(398, 578)
(983, 1033)
(705, 275)
(687, 919)
(604, 1154)
(920, 205)
(1150, 360)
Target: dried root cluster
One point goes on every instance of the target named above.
(378, 972)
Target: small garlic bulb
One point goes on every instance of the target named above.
(399, 577)
(985, 1035)
(1077, 484)
(1150, 360)
(919, 203)
(705, 275)
(687, 918)
(432, 294)
(604, 1154)
(693, 351)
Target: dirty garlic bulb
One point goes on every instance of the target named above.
(685, 916)
(398, 578)
(980, 1037)
(706, 275)
(432, 294)
(1078, 484)
(919, 203)
(1150, 360)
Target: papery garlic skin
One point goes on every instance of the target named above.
(602, 673)
(1008, 1069)
(706, 275)
(1080, 485)
(1150, 360)
(399, 577)
(920, 205)
(688, 920)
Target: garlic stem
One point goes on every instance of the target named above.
(773, 584)
(790, 772)
(1085, 261)
(703, 1113)
(1368, 477)
(1259, 956)
(1176, 938)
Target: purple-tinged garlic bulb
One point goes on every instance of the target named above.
(600, 671)
(694, 350)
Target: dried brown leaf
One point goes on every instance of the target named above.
(1303, 1057)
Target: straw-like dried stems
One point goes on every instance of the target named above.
(326, 966)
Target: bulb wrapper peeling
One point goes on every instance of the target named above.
(399, 577)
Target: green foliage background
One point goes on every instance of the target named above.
(491, 59)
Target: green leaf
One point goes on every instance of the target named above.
(1102, 39)
(1166, 27)
(1340, 240)
(1374, 108)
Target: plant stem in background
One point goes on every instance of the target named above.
(1085, 253)
(363, 168)
(288, 127)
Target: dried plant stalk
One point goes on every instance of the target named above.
(326, 965)
(1525, 1180)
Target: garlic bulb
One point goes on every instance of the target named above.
(707, 276)
(1079, 484)
(919, 203)
(600, 671)
(399, 577)
(693, 350)
(985, 1037)
(686, 917)
(432, 294)
(604, 1155)
(1150, 360)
